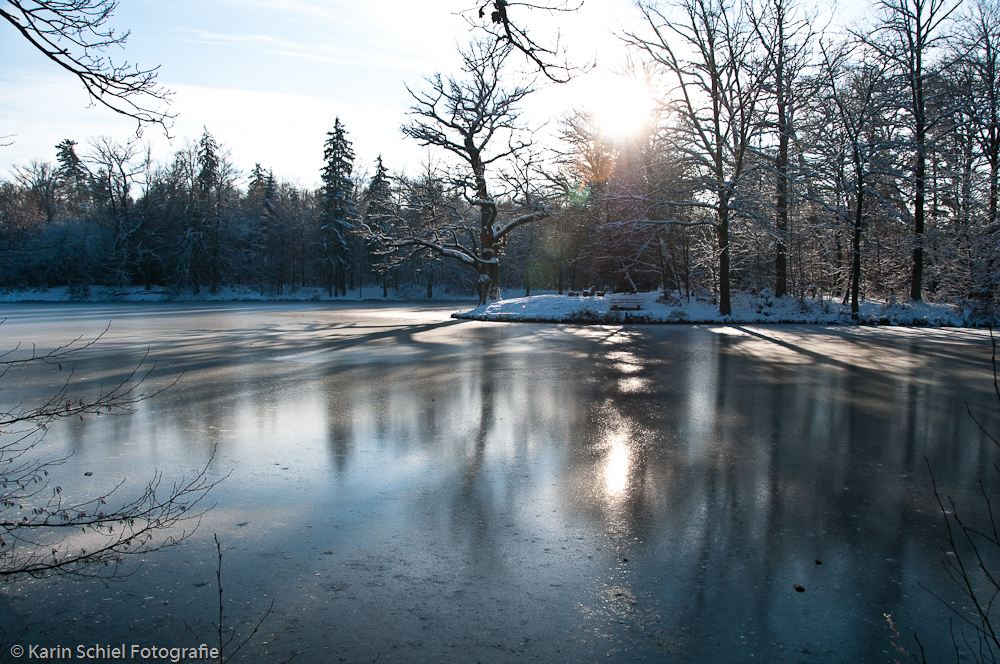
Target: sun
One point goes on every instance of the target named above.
(621, 107)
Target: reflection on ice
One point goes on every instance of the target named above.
(618, 492)
(633, 385)
(624, 361)
(616, 467)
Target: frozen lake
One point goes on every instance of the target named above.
(411, 487)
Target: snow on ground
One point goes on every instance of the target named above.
(762, 308)
(550, 307)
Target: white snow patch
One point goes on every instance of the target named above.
(553, 308)
(746, 308)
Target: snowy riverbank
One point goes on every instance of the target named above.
(763, 308)
(553, 308)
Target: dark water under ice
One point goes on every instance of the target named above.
(418, 489)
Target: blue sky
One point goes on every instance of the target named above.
(267, 78)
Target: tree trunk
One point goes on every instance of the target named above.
(781, 205)
(916, 283)
(493, 271)
(724, 304)
(856, 247)
(781, 165)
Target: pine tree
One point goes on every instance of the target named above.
(270, 191)
(273, 237)
(380, 212)
(72, 177)
(255, 227)
(208, 160)
(380, 208)
(258, 180)
(208, 214)
(338, 210)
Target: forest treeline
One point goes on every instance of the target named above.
(865, 164)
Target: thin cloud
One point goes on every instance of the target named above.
(395, 33)
(355, 53)
(303, 9)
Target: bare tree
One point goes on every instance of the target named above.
(978, 61)
(476, 120)
(42, 533)
(849, 143)
(73, 34)
(785, 39)
(904, 37)
(118, 168)
(708, 51)
(979, 44)
(40, 179)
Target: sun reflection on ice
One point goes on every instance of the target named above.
(633, 385)
(617, 463)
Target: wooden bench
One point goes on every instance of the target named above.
(621, 302)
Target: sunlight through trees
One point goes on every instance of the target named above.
(742, 151)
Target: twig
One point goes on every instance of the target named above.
(223, 642)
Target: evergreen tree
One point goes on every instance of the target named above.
(258, 180)
(380, 208)
(380, 212)
(208, 161)
(208, 212)
(338, 210)
(255, 229)
(72, 177)
(268, 247)
(270, 191)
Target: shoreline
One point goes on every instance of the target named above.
(548, 307)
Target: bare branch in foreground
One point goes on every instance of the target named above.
(550, 61)
(73, 35)
(44, 534)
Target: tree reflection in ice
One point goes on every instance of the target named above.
(650, 491)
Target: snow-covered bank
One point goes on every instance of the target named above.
(552, 308)
(762, 308)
